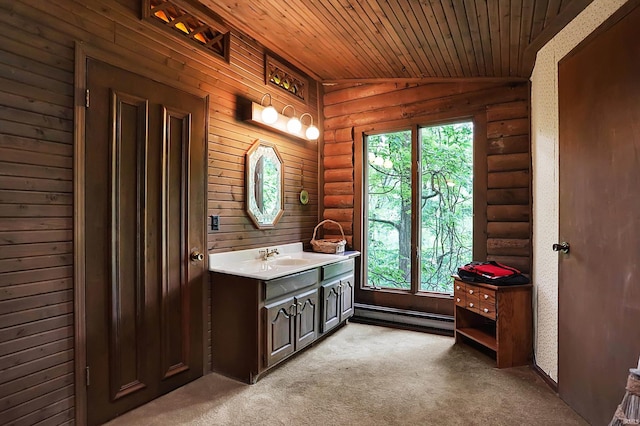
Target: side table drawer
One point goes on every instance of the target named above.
(487, 305)
(471, 298)
(459, 294)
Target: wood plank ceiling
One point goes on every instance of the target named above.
(335, 40)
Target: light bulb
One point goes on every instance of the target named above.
(269, 115)
(387, 164)
(379, 161)
(294, 125)
(312, 132)
(372, 157)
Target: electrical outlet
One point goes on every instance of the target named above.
(215, 222)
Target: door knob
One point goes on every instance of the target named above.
(196, 256)
(563, 247)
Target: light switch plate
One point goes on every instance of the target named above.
(215, 222)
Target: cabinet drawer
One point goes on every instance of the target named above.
(335, 269)
(285, 285)
(460, 294)
(487, 303)
(472, 301)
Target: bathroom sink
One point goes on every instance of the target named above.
(291, 262)
(250, 263)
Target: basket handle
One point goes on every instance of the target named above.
(322, 223)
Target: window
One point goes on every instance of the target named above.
(389, 210)
(419, 219)
(446, 210)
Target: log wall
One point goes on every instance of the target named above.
(36, 174)
(509, 184)
(353, 109)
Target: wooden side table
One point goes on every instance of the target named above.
(496, 317)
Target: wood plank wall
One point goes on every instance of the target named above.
(371, 107)
(36, 172)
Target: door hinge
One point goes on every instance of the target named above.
(86, 98)
(88, 376)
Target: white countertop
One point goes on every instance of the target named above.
(290, 260)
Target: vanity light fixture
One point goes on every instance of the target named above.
(312, 132)
(269, 113)
(269, 118)
(293, 124)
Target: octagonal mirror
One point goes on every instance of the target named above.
(264, 178)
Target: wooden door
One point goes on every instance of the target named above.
(330, 305)
(280, 330)
(347, 289)
(599, 279)
(144, 204)
(306, 318)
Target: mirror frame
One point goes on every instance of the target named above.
(249, 175)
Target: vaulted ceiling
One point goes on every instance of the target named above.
(335, 40)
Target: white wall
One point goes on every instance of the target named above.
(544, 140)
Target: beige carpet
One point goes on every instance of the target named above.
(368, 375)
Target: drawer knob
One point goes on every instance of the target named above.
(457, 287)
(485, 310)
(470, 291)
(486, 296)
(471, 305)
(458, 299)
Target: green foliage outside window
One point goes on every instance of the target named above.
(446, 206)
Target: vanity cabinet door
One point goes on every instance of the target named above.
(292, 324)
(346, 295)
(306, 318)
(281, 321)
(330, 305)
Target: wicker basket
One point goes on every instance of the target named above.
(332, 246)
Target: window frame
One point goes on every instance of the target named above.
(414, 299)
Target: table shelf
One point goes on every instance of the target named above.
(481, 336)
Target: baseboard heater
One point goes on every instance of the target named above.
(403, 318)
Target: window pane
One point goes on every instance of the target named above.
(389, 210)
(447, 203)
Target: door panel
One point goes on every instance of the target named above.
(306, 318)
(346, 297)
(175, 292)
(599, 279)
(280, 330)
(330, 306)
(144, 203)
(128, 153)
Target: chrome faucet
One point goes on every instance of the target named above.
(268, 253)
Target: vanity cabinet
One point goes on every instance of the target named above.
(496, 317)
(337, 292)
(292, 324)
(257, 324)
